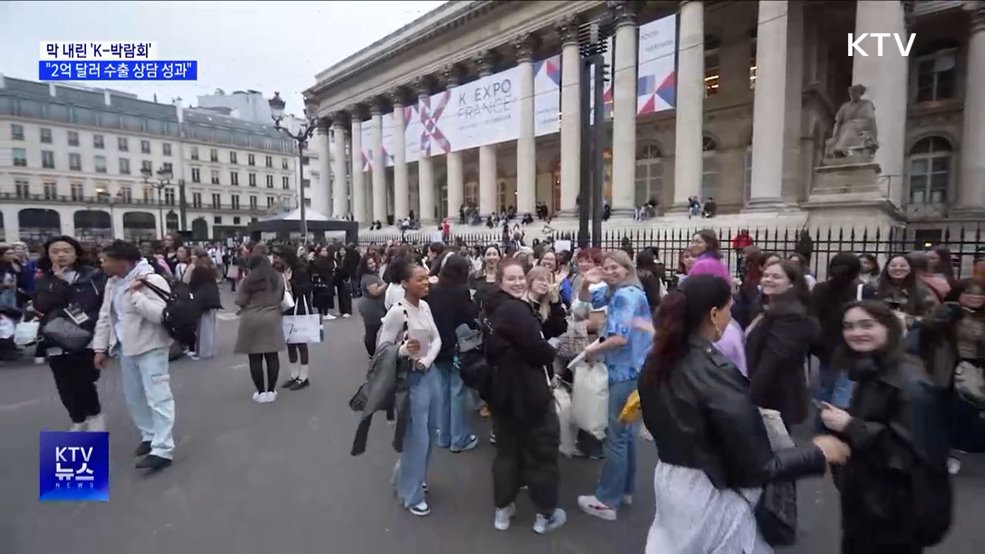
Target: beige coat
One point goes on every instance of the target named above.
(142, 312)
(260, 330)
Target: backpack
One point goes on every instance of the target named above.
(470, 359)
(181, 311)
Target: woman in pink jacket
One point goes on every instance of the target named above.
(708, 257)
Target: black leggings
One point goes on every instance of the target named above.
(293, 350)
(369, 338)
(256, 370)
(75, 378)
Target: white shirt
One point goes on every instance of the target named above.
(420, 325)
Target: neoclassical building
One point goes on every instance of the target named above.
(758, 87)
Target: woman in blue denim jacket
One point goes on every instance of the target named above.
(626, 340)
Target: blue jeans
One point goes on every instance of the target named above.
(422, 423)
(147, 388)
(619, 471)
(453, 406)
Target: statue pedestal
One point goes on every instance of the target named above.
(848, 193)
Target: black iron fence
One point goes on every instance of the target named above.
(818, 244)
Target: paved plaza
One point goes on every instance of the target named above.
(251, 478)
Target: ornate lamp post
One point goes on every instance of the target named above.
(163, 180)
(301, 137)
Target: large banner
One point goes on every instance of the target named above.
(413, 129)
(368, 138)
(656, 88)
(436, 118)
(547, 96)
(487, 111)
(388, 140)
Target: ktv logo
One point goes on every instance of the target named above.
(73, 466)
(855, 43)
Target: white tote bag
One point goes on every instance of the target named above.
(590, 398)
(287, 302)
(562, 400)
(302, 329)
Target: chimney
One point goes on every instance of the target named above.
(51, 89)
(106, 98)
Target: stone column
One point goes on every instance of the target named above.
(378, 165)
(425, 169)
(885, 79)
(690, 104)
(526, 144)
(768, 109)
(340, 197)
(971, 186)
(567, 28)
(401, 187)
(356, 167)
(326, 180)
(455, 172)
(487, 152)
(624, 109)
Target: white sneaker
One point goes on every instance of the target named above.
(627, 499)
(503, 517)
(953, 465)
(96, 423)
(422, 509)
(543, 525)
(593, 507)
(328, 317)
(75, 427)
(268, 397)
(257, 397)
(346, 316)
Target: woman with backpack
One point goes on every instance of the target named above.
(895, 490)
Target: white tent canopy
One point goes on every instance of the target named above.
(295, 215)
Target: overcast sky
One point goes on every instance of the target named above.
(265, 46)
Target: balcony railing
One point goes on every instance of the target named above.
(98, 201)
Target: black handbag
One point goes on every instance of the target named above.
(66, 334)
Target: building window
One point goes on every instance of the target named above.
(216, 200)
(251, 159)
(232, 158)
(215, 176)
(305, 183)
(649, 174)
(47, 159)
(50, 191)
(146, 167)
(935, 76)
(307, 202)
(167, 148)
(46, 135)
(196, 199)
(98, 142)
(213, 155)
(235, 201)
(74, 162)
(253, 202)
(217, 220)
(122, 144)
(77, 192)
(124, 166)
(709, 176)
(100, 164)
(17, 133)
(196, 175)
(236, 220)
(125, 194)
(194, 152)
(20, 157)
(73, 138)
(169, 196)
(234, 178)
(253, 179)
(270, 181)
(102, 195)
(270, 161)
(305, 160)
(930, 170)
(283, 163)
(286, 182)
(168, 168)
(145, 147)
(712, 66)
(148, 195)
(270, 201)
(22, 189)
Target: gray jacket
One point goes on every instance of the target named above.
(385, 387)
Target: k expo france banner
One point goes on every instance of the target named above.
(656, 88)
(368, 139)
(547, 99)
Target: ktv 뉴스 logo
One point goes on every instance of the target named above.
(73, 466)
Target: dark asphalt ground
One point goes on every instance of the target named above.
(278, 478)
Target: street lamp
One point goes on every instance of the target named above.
(301, 137)
(163, 180)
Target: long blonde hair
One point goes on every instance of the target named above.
(622, 259)
(544, 304)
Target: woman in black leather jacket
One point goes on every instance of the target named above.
(895, 491)
(715, 455)
(67, 282)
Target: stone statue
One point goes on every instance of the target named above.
(854, 132)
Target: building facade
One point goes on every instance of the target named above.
(758, 88)
(73, 161)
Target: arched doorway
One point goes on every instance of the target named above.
(171, 221)
(38, 225)
(139, 226)
(93, 226)
(200, 229)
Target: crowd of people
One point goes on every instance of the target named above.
(716, 367)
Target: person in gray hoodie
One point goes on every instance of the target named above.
(130, 326)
